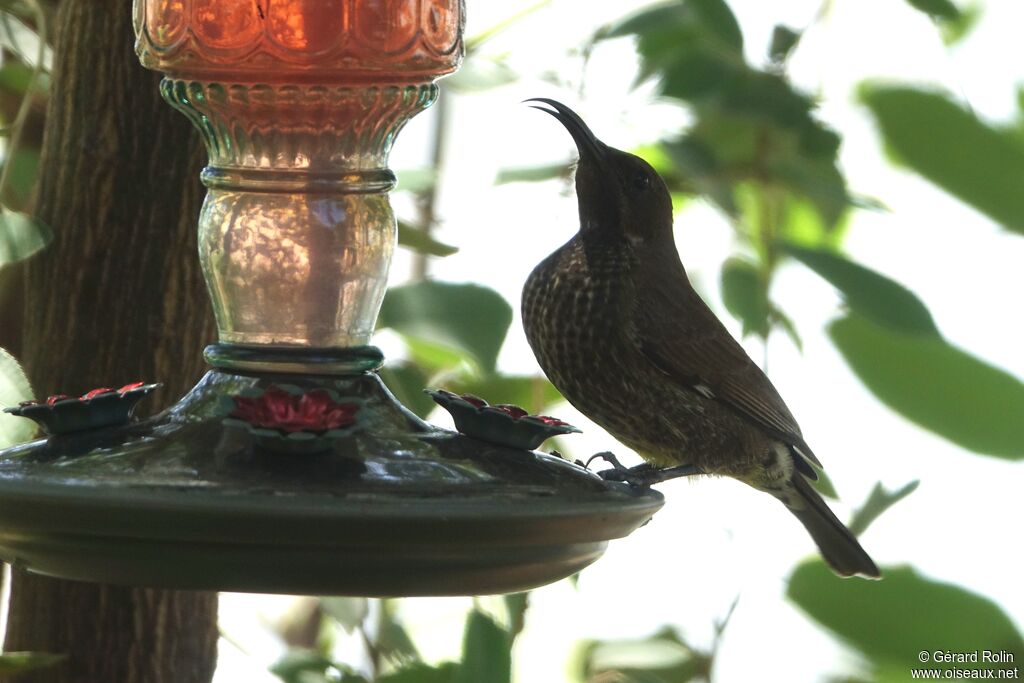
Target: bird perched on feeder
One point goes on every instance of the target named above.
(619, 330)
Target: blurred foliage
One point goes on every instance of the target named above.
(14, 388)
(15, 663)
(661, 658)
(21, 236)
(890, 621)
(879, 500)
(867, 293)
(750, 124)
(939, 9)
(445, 323)
(971, 160)
(391, 656)
(25, 60)
(419, 240)
(917, 375)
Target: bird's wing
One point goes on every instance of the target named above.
(678, 334)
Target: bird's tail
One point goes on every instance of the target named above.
(838, 546)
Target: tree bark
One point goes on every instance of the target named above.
(118, 297)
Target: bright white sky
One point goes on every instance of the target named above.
(716, 540)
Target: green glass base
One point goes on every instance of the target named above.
(291, 360)
(397, 507)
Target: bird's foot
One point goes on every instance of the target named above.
(643, 475)
(609, 458)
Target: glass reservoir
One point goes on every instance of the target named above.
(298, 102)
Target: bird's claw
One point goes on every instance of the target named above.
(643, 475)
(609, 458)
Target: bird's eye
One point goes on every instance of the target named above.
(641, 181)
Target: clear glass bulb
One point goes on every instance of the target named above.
(298, 102)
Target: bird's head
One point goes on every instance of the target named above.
(620, 195)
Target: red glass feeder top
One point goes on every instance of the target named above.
(345, 39)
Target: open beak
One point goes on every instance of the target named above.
(590, 148)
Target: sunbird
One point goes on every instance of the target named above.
(618, 329)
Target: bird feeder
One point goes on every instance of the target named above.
(290, 467)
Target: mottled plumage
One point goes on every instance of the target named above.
(617, 327)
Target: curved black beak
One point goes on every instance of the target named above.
(586, 142)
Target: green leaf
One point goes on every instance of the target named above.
(436, 357)
(760, 134)
(694, 46)
(420, 241)
(952, 148)
(697, 160)
(778, 318)
(421, 673)
(14, 388)
(710, 20)
(874, 296)
(894, 619)
(769, 97)
(516, 604)
(467, 318)
(349, 612)
(955, 30)
(663, 657)
(824, 486)
(15, 77)
(878, 502)
(937, 386)
(302, 666)
(21, 236)
(693, 72)
(819, 180)
(407, 382)
(22, 178)
(531, 174)
(393, 641)
(802, 224)
(939, 9)
(348, 676)
(784, 39)
(744, 295)
(486, 651)
(20, 662)
(23, 41)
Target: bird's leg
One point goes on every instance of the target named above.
(647, 476)
(644, 474)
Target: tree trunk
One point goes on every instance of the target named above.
(118, 297)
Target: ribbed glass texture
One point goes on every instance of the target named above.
(298, 103)
(319, 39)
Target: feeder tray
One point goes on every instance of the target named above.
(397, 508)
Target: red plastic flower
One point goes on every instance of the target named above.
(51, 400)
(502, 424)
(551, 421)
(103, 407)
(473, 400)
(515, 412)
(94, 393)
(275, 408)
